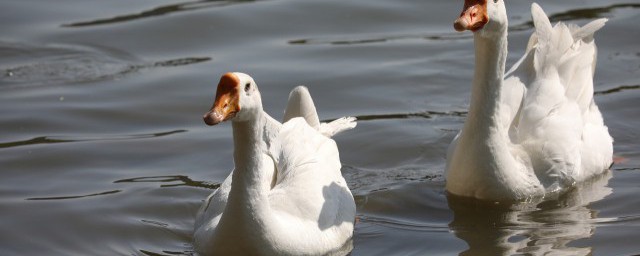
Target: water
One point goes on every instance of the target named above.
(103, 150)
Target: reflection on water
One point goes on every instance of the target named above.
(538, 228)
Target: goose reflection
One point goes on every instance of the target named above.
(537, 227)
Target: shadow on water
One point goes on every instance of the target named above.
(53, 140)
(539, 227)
(159, 11)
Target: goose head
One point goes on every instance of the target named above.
(237, 99)
(483, 17)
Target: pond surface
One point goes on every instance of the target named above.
(103, 150)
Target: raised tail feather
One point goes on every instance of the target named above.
(568, 51)
(301, 105)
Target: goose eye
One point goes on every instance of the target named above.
(247, 86)
(495, 1)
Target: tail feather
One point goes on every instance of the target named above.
(300, 104)
(541, 22)
(337, 126)
(552, 42)
(566, 51)
(586, 32)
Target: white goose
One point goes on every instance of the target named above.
(286, 195)
(536, 129)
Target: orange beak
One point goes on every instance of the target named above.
(227, 102)
(473, 17)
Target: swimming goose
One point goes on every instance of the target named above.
(286, 195)
(536, 129)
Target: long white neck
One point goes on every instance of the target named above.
(491, 54)
(250, 184)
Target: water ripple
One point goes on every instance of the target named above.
(577, 14)
(178, 62)
(181, 179)
(587, 13)
(155, 223)
(425, 115)
(53, 139)
(167, 253)
(591, 13)
(364, 181)
(27, 64)
(433, 114)
(158, 11)
(405, 225)
(617, 89)
(380, 39)
(627, 169)
(618, 220)
(76, 197)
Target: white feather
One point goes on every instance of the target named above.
(549, 133)
(286, 196)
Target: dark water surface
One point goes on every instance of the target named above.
(103, 150)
